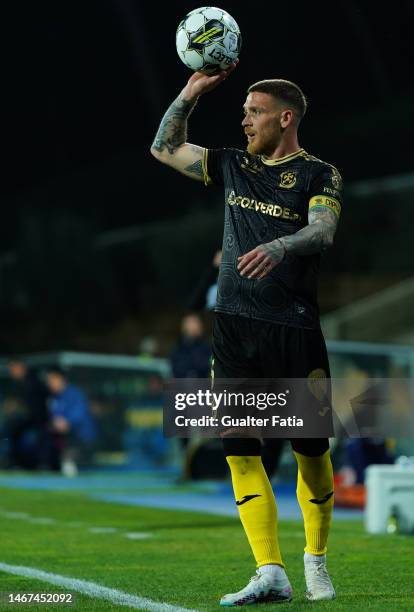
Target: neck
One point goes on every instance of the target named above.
(285, 147)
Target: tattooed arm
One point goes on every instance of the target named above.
(314, 238)
(170, 146)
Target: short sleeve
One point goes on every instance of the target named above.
(214, 164)
(326, 190)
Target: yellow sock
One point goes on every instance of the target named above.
(257, 507)
(315, 497)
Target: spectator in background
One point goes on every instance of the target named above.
(26, 429)
(190, 357)
(359, 453)
(204, 296)
(149, 348)
(71, 424)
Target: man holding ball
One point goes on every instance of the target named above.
(282, 207)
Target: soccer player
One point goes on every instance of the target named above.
(281, 211)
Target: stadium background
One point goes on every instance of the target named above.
(101, 246)
(90, 219)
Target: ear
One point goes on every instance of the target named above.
(286, 118)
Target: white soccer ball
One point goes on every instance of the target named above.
(208, 40)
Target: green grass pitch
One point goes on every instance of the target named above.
(189, 560)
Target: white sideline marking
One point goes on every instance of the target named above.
(42, 520)
(137, 535)
(16, 515)
(102, 529)
(92, 589)
(24, 516)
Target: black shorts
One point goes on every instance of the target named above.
(249, 348)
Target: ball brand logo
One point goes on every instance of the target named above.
(287, 179)
(212, 30)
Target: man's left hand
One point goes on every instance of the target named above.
(261, 260)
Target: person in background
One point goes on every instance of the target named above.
(149, 348)
(190, 357)
(204, 296)
(359, 454)
(73, 431)
(25, 430)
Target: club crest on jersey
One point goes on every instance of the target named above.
(287, 179)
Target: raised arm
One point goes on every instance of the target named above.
(314, 238)
(170, 146)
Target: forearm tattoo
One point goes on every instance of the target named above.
(276, 250)
(173, 127)
(315, 237)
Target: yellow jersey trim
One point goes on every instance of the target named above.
(322, 200)
(207, 179)
(281, 160)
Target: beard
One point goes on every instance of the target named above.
(253, 146)
(262, 146)
(250, 148)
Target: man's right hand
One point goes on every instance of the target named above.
(200, 83)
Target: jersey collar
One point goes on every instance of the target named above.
(281, 160)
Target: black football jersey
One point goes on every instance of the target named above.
(264, 200)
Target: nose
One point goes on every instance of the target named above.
(246, 121)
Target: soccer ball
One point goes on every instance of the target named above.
(208, 40)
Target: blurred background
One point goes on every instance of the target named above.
(104, 252)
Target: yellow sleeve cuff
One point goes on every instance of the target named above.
(207, 179)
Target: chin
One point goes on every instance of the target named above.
(253, 149)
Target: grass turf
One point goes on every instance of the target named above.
(190, 560)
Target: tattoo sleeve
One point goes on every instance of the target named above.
(172, 132)
(315, 237)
